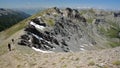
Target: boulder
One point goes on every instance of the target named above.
(116, 14)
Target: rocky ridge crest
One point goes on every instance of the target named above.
(65, 30)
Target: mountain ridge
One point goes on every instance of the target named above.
(58, 30)
(26, 56)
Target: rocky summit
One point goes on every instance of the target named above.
(72, 30)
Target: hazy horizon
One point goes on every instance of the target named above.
(101, 4)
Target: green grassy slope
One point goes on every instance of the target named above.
(9, 17)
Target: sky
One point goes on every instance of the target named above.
(102, 4)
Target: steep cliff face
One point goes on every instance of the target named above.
(66, 30)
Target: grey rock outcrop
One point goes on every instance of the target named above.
(116, 14)
(69, 32)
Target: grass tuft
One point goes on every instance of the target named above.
(91, 63)
(116, 62)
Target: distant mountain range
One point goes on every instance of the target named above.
(30, 11)
(9, 17)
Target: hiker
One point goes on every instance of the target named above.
(9, 47)
(13, 41)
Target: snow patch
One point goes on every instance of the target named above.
(37, 26)
(41, 50)
(40, 38)
(39, 17)
(37, 37)
(30, 40)
(82, 46)
(82, 49)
